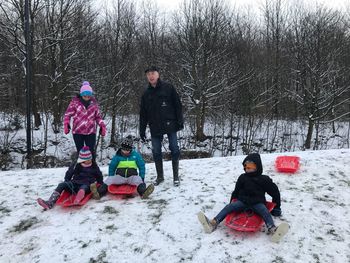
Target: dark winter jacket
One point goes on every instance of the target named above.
(251, 187)
(84, 175)
(161, 108)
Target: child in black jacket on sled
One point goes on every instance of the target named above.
(249, 192)
(80, 178)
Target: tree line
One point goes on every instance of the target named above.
(283, 62)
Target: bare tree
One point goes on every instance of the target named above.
(12, 35)
(119, 50)
(274, 64)
(61, 48)
(200, 33)
(151, 35)
(319, 77)
(241, 37)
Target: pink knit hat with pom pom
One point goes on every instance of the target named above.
(86, 89)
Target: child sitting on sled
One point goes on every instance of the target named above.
(249, 192)
(78, 179)
(123, 169)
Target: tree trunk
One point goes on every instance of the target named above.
(200, 119)
(56, 111)
(230, 147)
(112, 141)
(310, 129)
(35, 109)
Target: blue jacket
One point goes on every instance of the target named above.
(127, 165)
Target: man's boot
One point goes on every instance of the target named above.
(160, 174)
(176, 172)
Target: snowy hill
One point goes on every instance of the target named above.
(164, 228)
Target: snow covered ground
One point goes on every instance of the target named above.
(164, 228)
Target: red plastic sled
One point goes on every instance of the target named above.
(67, 199)
(246, 221)
(287, 164)
(122, 189)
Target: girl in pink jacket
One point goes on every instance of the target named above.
(86, 114)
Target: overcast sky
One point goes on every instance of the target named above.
(173, 4)
(169, 5)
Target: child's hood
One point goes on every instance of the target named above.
(255, 157)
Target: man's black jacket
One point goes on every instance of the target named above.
(161, 108)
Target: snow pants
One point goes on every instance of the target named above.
(117, 179)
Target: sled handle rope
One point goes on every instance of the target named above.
(71, 190)
(248, 212)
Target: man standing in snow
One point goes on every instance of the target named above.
(161, 109)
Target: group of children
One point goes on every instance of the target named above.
(128, 167)
(85, 176)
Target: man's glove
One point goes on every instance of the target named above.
(276, 212)
(181, 125)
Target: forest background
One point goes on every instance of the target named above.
(271, 79)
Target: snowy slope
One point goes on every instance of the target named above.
(315, 202)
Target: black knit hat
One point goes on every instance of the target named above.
(151, 68)
(127, 143)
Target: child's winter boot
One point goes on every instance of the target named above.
(149, 190)
(49, 203)
(93, 189)
(208, 225)
(279, 232)
(43, 203)
(144, 191)
(79, 197)
(271, 230)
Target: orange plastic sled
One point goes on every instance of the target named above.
(287, 164)
(246, 221)
(122, 189)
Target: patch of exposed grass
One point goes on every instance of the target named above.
(110, 210)
(111, 227)
(153, 203)
(100, 258)
(278, 260)
(138, 250)
(316, 257)
(25, 224)
(347, 182)
(4, 210)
